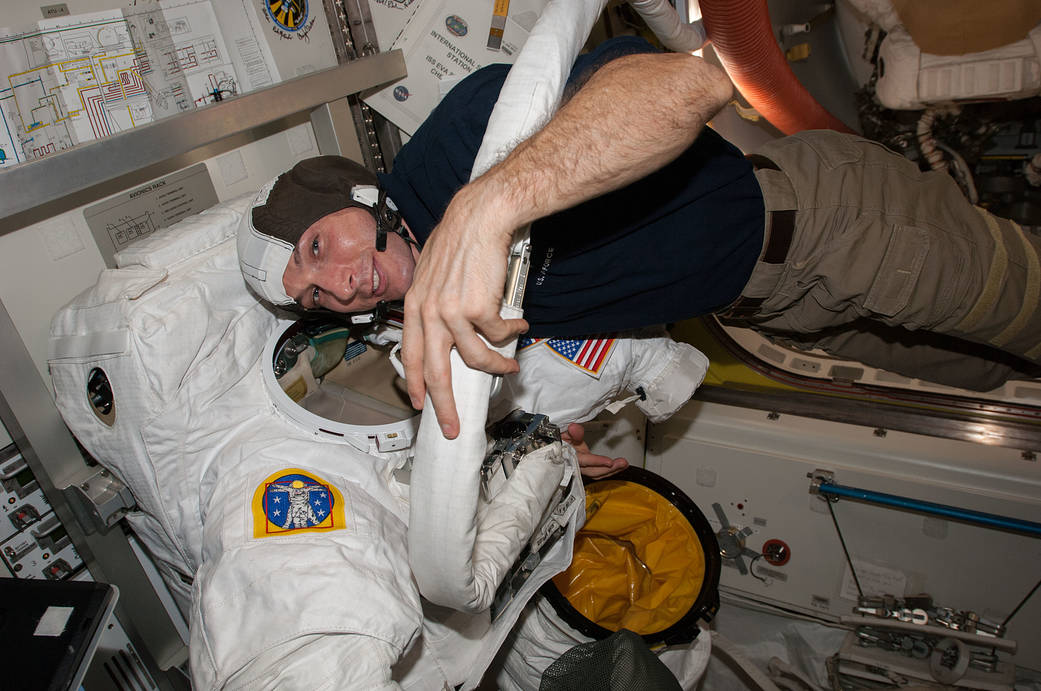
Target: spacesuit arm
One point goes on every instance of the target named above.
(633, 116)
(649, 369)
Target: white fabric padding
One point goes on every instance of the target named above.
(880, 12)
(913, 80)
(669, 378)
(317, 663)
(190, 332)
(533, 88)
(256, 598)
(445, 495)
(194, 235)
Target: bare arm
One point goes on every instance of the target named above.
(634, 115)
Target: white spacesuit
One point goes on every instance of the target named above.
(285, 547)
(196, 438)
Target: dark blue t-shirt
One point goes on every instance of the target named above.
(679, 243)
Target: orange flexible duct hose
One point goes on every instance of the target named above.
(742, 36)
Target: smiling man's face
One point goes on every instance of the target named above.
(335, 265)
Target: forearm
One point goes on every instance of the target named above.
(634, 115)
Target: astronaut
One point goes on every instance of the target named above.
(200, 429)
(187, 352)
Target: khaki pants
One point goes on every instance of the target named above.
(878, 244)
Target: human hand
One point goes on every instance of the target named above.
(592, 465)
(455, 299)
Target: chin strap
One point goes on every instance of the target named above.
(388, 220)
(385, 312)
(384, 211)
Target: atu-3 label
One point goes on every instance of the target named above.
(290, 18)
(60, 9)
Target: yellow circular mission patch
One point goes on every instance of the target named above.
(294, 501)
(638, 563)
(288, 14)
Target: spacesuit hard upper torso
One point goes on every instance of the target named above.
(285, 550)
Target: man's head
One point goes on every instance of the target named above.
(311, 238)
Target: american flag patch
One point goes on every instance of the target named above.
(590, 354)
(525, 342)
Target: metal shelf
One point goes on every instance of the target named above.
(93, 170)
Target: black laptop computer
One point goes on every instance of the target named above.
(50, 630)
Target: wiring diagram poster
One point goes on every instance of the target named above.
(66, 81)
(74, 79)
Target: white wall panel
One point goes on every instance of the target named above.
(755, 467)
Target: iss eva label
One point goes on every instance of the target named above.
(295, 501)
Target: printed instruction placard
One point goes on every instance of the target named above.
(136, 213)
(443, 42)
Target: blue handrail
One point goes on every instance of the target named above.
(977, 517)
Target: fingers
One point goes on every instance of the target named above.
(477, 355)
(437, 373)
(425, 354)
(428, 370)
(412, 356)
(451, 304)
(597, 467)
(500, 331)
(443, 401)
(574, 435)
(593, 466)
